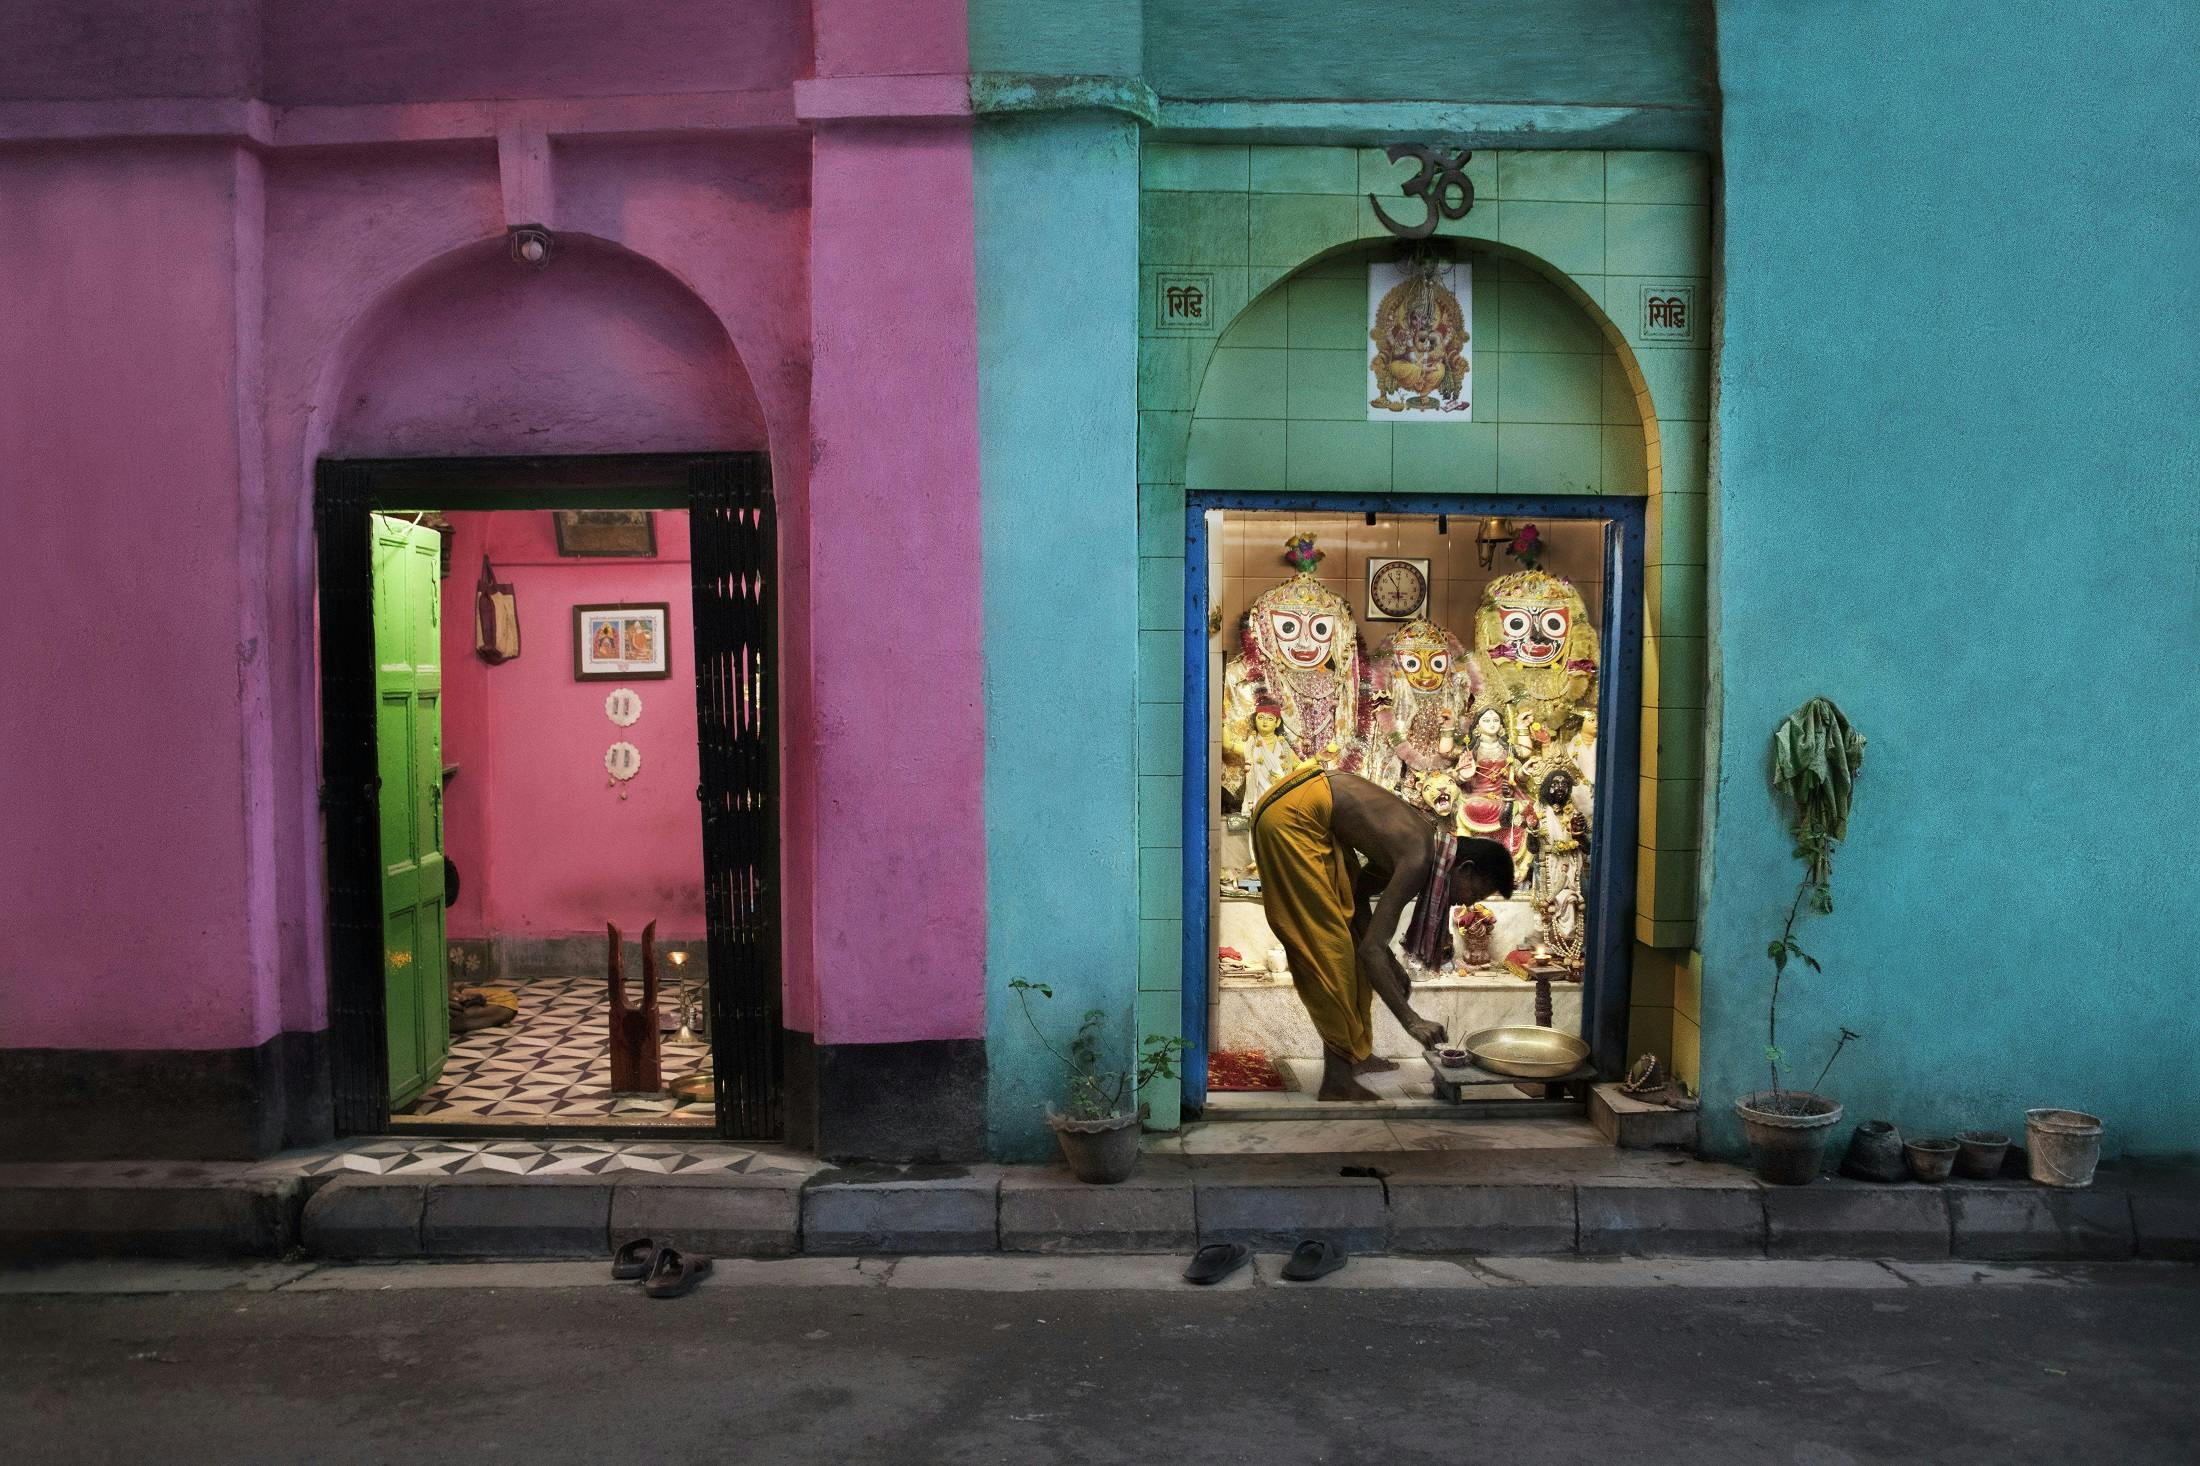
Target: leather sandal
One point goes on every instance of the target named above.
(1313, 1259)
(673, 1274)
(631, 1262)
(1216, 1261)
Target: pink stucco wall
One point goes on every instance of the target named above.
(545, 844)
(310, 264)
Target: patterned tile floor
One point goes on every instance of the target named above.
(406, 1157)
(552, 1066)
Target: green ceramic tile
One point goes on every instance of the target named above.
(1688, 987)
(1678, 534)
(1548, 458)
(1161, 446)
(1672, 742)
(1567, 237)
(1161, 667)
(1160, 811)
(1626, 464)
(1551, 387)
(1291, 228)
(1160, 956)
(1657, 178)
(1649, 1027)
(1679, 384)
(1676, 885)
(1483, 221)
(1245, 382)
(1169, 370)
(1535, 316)
(1483, 327)
(1225, 297)
(1667, 935)
(1192, 166)
(1675, 594)
(1657, 239)
(1161, 520)
(1192, 229)
(1262, 323)
(1486, 386)
(1672, 671)
(1160, 1011)
(1160, 738)
(1338, 457)
(1539, 175)
(1164, 1101)
(1344, 265)
(1305, 170)
(1329, 385)
(1161, 882)
(1235, 453)
(1160, 593)
(1683, 448)
(1673, 823)
(1329, 314)
(1444, 458)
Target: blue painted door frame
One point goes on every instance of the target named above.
(1611, 873)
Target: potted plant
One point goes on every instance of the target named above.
(1815, 759)
(1098, 1126)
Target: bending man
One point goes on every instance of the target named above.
(1335, 920)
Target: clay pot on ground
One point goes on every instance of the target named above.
(1931, 1160)
(1875, 1153)
(1787, 1133)
(1979, 1154)
(1102, 1151)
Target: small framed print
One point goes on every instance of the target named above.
(630, 533)
(617, 643)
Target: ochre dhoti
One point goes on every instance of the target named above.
(1306, 889)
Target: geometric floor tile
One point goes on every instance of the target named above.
(552, 1065)
(424, 1157)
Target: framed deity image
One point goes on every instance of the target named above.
(619, 643)
(1422, 365)
(603, 533)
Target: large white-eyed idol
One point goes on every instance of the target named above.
(1301, 654)
(1536, 648)
(1423, 684)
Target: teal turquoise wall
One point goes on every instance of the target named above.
(1956, 459)
(1057, 247)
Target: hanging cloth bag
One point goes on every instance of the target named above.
(496, 617)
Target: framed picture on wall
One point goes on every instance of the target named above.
(606, 532)
(614, 643)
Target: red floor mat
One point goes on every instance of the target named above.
(1242, 1069)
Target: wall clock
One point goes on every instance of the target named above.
(1397, 590)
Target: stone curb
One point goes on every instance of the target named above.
(1502, 1209)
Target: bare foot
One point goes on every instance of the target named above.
(1338, 1085)
(1374, 1064)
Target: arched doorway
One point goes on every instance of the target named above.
(630, 384)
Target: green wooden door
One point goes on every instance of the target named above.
(408, 684)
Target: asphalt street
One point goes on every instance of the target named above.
(991, 1361)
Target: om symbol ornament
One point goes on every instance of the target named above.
(1442, 186)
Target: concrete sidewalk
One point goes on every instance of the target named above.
(1512, 1203)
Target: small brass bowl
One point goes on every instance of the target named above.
(1527, 1053)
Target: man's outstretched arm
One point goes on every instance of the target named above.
(1381, 965)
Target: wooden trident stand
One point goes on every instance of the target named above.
(636, 1058)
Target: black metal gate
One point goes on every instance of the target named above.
(735, 569)
(359, 1066)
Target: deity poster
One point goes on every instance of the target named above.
(1421, 360)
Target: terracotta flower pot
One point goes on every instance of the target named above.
(1102, 1151)
(1787, 1134)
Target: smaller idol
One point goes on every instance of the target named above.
(1267, 756)
(1561, 853)
(1424, 684)
(1495, 802)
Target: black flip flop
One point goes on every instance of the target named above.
(1313, 1259)
(1216, 1261)
(673, 1273)
(631, 1261)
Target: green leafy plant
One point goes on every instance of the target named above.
(1816, 755)
(1096, 1093)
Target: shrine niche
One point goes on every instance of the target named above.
(1301, 664)
(1423, 683)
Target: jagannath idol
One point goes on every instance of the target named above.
(1302, 657)
(1536, 649)
(1424, 682)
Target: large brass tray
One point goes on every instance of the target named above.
(1526, 1053)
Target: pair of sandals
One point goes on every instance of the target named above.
(663, 1272)
(1311, 1259)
